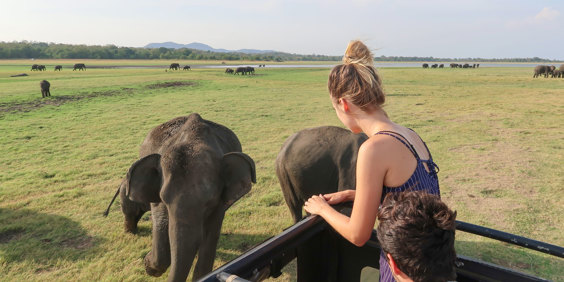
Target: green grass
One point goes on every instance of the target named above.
(496, 134)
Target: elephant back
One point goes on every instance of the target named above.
(317, 161)
(184, 128)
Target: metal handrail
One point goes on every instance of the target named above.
(269, 257)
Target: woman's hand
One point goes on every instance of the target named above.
(316, 204)
(339, 197)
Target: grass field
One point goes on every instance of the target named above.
(496, 133)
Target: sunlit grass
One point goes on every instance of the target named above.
(495, 132)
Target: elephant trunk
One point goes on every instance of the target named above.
(113, 199)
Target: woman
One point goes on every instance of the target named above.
(393, 159)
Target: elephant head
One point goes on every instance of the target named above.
(190, 184)
(145, 178)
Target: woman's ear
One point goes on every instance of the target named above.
(345, 104)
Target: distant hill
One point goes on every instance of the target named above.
(204, 47)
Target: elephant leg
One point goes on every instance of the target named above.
(158, 259)
(206, 254)
(186, 233)
(132, 212)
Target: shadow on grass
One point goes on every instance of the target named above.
(513, 257)
(237, 243)
(27, 235)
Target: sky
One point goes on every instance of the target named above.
(437, 28)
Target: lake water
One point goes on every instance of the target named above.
(377, 64)
(388, 65)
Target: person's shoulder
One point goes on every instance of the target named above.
(377, 145)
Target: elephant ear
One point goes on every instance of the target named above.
(144, 180)
(237, 172)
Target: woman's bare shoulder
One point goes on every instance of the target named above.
(378, 145)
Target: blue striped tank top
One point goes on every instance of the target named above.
(420, 180)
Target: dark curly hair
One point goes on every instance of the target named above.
(417, 230)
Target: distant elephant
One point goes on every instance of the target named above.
(465, 66)
(434, 66)
(174, 66)
(191, 171)
(311, 162)
(541, 70)
(242, 70)
(186, 68)
(44, 84)
(425, 66)
(229, 70)
(556, 73)
(79, 66)
(34, 67)
(441, 66)
(132, 211)
(250, 70)
(58, 68)
(550, 70)
(41, 68)
(562, 68)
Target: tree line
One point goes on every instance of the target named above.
(41, 50)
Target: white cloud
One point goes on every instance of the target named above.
(547, 14)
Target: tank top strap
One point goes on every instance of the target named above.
(425, 144)
(402, 140)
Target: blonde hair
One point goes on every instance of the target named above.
(357, 79)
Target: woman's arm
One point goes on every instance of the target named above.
(370, 172)
(339, 197)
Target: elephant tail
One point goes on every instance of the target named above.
(113, 199)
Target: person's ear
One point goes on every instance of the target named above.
(394, 267)
(345, 104)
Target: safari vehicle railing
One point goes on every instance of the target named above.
(268, 258)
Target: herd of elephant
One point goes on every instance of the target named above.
(549, 71)
(36, 67)
(453, 65)
(191, 170)
(176, 66)
(241, 70)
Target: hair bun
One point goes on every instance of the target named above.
(358, 53)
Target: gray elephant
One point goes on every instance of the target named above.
(556, 73)
(541, 70)
(317, 161)
(132, 211)
(79, 67)
(45, 85)
(241, 70)
(58, 68)
(425, 66)
(561, 68)
(191, 171)
(174, 66)
(186, 68)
